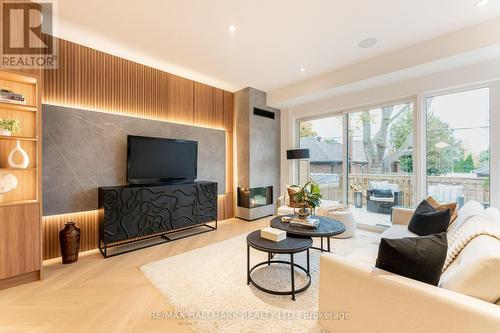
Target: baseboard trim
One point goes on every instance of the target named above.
(19, 279)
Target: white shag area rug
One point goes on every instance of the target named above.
(207, 287)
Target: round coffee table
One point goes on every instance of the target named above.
(327, 227)
(291, 246)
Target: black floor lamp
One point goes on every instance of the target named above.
(298, 154)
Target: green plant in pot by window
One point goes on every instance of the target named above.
(308, 197)
(8, 126)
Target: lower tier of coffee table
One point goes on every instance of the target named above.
(292, 265)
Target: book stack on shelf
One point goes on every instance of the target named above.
(8, 96)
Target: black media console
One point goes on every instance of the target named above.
(130, 214)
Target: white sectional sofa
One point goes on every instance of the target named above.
(379, 301)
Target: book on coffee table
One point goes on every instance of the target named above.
(309, 222)
(273, 234)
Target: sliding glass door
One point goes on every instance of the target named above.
(366, 158)
(458, 146)
(380, 159)
(325, 140)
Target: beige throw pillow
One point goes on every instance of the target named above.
(291, 193)
(452, 206)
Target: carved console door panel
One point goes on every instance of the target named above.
(184, 205)
(156, 209)
(121, 213)
(206, 201)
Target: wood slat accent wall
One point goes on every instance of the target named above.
(93, 80)
(89, 234)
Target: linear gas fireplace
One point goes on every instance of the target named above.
(254, 203)
(257, 131)
(255, 197)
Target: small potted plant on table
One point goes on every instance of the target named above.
(308, 197)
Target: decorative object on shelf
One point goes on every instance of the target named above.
(8, 126)
(9, 96)
(308, 197)
(69, 239)
(8, 182)
(25, 159)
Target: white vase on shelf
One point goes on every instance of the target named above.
(25, 160)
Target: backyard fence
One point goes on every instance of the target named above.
(474, 188)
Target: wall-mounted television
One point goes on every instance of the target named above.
(161, 161)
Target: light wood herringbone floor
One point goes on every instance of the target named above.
(103, 295)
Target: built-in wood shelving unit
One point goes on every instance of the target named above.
(18, 107)
(4, 137)
(20, 208)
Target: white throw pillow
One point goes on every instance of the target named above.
(493, 214)
(471, 208)
(476, 270)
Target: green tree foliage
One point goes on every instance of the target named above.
(306, 130)
(443, 149)
(484, 156)
(464, 165)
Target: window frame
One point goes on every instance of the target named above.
(423, 124)
(345, 126)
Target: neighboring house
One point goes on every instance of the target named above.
(326, 155)
(483, 171)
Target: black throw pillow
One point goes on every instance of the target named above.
(427, 220)
(418, 258)
(382, 193)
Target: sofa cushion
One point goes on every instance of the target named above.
(398, 231)
(291, 196)
(452, 206)
(493, 214)
(384, 185)
(476, 270)
(382, 193)
(427, 220)
(418, 258)
(381, 199)
(471, 208)
(366, 254)
(445, 193)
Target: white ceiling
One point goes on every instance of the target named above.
(273, 40)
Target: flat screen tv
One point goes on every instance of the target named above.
(161, 161)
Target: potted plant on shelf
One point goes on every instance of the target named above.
(308, 197)
(8, 126)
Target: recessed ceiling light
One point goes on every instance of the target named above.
(302, 69)
(367, 43)
(231, 28)
(481, 3)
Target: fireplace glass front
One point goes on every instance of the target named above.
(255, 197)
